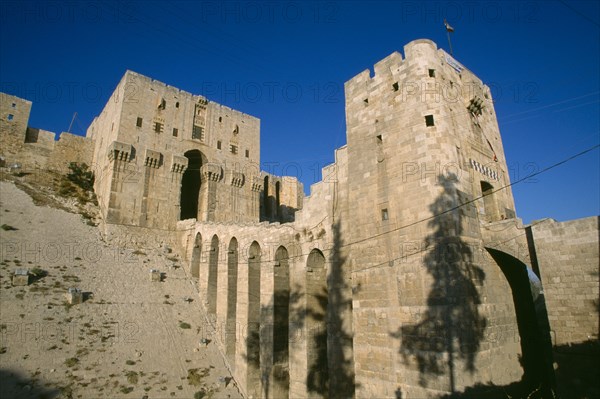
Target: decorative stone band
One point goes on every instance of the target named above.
(211, 171)
(118, 151)
(153, 158)
(484, 170)
(237, 179)
(257, 184)
(178, 164)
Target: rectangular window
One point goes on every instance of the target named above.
(432, 73)
(429, 120)
(158, 127)
(233, 148)
(198, 133)
(10, 117)
(14, 105)
(395, 86)
(175, 132)
(139, 122)
(384, 214)
(218, 145)
(247, 153)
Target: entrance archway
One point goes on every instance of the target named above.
(532, 322)
(190, 185)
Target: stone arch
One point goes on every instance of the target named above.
(266, 199)
(532, 322)
(278, 200)
(196, 256)
(213, 274)
(281, 320)
(190, 185)
(253, 329)
(230, 321)
(317, 303)
(489, 201)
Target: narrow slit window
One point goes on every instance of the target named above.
(198, 133)
(218, 145)
(429, 120)
(177, 104)
(247, 153)
(384, 214)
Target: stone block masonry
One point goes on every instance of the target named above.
(404, 273)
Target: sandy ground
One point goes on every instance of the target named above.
(127, 340)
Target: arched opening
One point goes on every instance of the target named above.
(266, 199)
(489, 201)
(317, 303)
(278, 200)
(190, 185)
(196, 256)
(532, 322)
(213, 273)
(253, 334)
(232, 275)
(281, 303)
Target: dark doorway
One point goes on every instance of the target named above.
(190, 185)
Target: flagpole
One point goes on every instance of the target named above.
(449, 42)
(448, 30)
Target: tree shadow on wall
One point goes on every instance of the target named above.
(577, 370)
(320, 320)
(451, 329)
(331, 371)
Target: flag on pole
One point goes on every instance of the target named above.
(448, 27)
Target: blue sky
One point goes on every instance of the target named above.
(286, 63)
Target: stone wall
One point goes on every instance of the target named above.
(14, 117)
(567, 255)
(70, 148)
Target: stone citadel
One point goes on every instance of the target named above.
(405, 272)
